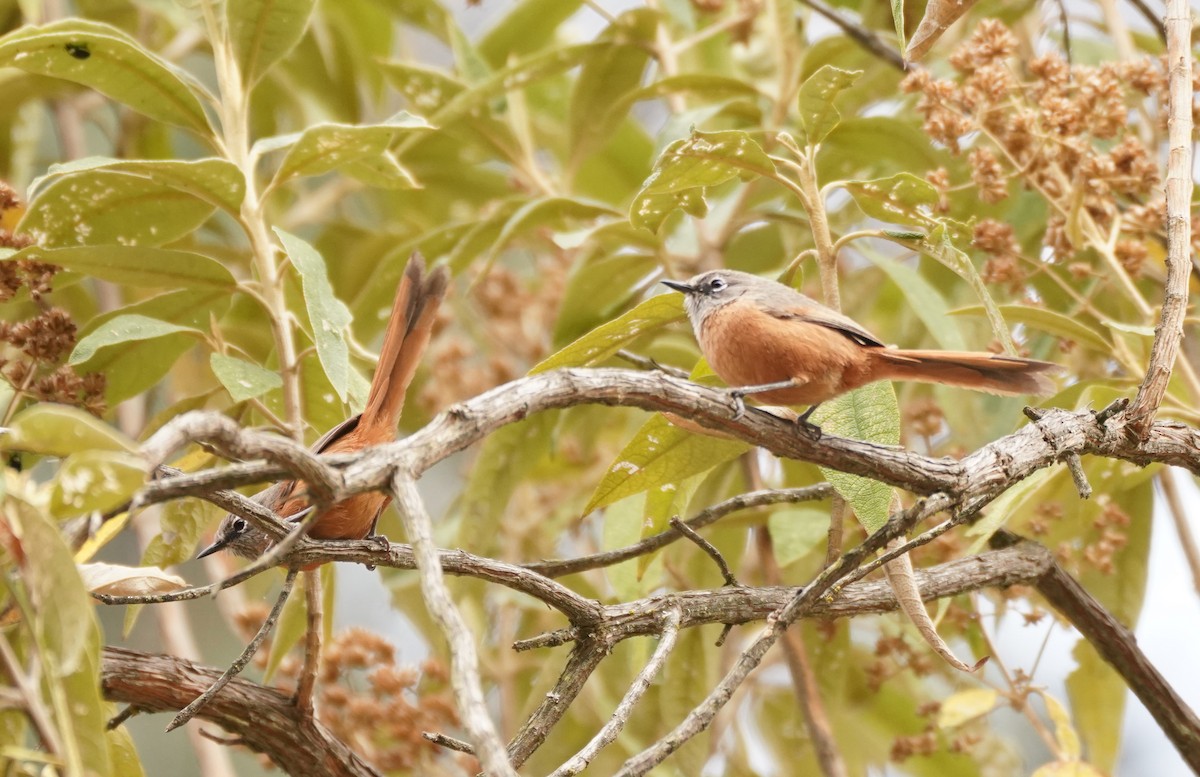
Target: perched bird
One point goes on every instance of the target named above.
(767, 339)
(408, 332)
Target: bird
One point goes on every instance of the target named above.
(408, 332)
(765, 338)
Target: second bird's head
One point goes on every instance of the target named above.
(239, 536)
(708, 291)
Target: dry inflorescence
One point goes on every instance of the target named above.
(1062, 130)
(37, 345)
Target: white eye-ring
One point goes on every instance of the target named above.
(716, 284)
(238, 525)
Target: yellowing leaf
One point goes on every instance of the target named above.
(329, 315)
(966, 705)
(263, 31)
(1067, 769)
(606, 339)
(1064, 731)
(58, 430)
(124, 329)
(94, 480)
(136, 265)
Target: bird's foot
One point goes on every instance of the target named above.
(808, 427)
(738, 398)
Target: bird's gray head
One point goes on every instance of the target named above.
(708, 291)
(238, 535)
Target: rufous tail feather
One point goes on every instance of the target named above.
(993, 373)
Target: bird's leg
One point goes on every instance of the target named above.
(740, 393)
(807, 425)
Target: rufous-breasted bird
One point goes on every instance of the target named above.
(408, 332)
(767, 339)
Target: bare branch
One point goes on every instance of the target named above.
(262, 719)
(464, 661)
(189, 712)
(641, 683)
(1169, 332)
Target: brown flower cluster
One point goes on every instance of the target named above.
(1062, 130)
(376, 706)
(517, 312)
(31, 350)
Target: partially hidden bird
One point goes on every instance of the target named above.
(767, 339)
(408, 331)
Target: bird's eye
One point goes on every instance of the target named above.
(716, 284)
(238, 525)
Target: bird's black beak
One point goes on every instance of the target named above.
(677, 286)
(218, 545)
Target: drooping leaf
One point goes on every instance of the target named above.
(606, 339)
(939, 244)
(242, 379)
(689, 166)
(136, 265)
(544, 211)
(659, 456)
(328, 314)
(1049, 321)
(817, 94)
(107, 60)
(120, 580)
(58, 430)
(262, 32)
(289, 629)
(182, 522)
(923, 298)
(124, 329)
(966, 705)
(325, 147)
(868, 413)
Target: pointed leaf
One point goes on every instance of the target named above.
(660, 455)
(262, 32)
(966, 705)
(900, 199)
(325, 147)
(329, 316)
(242, 379)
(136, 265)
(605, 340)
(217, 182)
(1049, 321)
(123, 329)
(109, 61)
(817, 94)
(95, 481)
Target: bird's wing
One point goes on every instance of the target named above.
(830, 319)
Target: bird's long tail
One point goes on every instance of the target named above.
(408, 332)
(993, 373)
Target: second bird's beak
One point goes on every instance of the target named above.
(678, 286)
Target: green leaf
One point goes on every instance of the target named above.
(1006, 506)
(796, 532)
(705, 159)
(869, 413)
(898, 22)
(383, 171)
(98, 207)
(182, 522)
(1046, 320)
(217, 182)
(107, 60)
(262, 32)
(58, 430)
(605, 340)
(923, 298)
(817, 95)
(542, 212)
(123, 329)
(325, 147)
(136, 265)
(940, 245)
(661, 455)
(136, 365)
(329, 316)
(529, 25)
(95, 481)
(242, 379)
(900, 199)
(608, 74)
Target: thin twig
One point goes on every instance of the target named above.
(30, 698)
(189, 712)
(646, 363)
(860, 35)
(116, 721)
(670, 632)
(464, 661)
(710, 515)
(1155, 20)
(449, 742)
(1183, 528)
(707, 547)
(1169, 332)
(312, 641)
